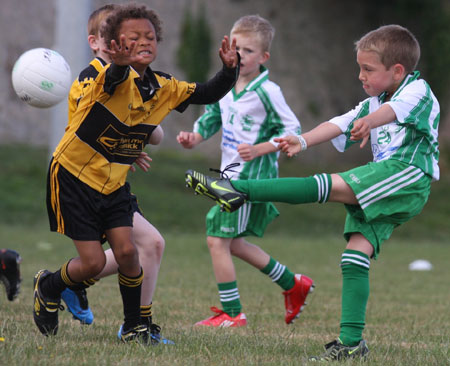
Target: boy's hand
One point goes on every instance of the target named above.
(142, 162)
(361, 131)
(228, 53)
(121, 54)
(289, 145)
(188, 139)
(247, 152)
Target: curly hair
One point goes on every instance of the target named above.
(112, 25)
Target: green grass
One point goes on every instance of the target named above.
(407, 315)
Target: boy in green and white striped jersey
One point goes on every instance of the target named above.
(401, 119)
(251, 116)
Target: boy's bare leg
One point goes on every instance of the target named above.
(250, 253)
(223, 266)
(341, 191)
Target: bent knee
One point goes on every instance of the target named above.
(93, 268)
(126, 254)
(153, 247)
(216, 243)
(159, 245)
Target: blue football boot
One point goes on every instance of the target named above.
(77, 304)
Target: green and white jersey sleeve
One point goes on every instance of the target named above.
(412, 138)
(258, 114)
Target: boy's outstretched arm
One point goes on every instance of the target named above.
(215, 88)
(291, 145)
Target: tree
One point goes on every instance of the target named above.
(194, 52)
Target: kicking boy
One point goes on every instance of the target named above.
(87, 195)
(401, 118)
(148, 241)
(251, 115)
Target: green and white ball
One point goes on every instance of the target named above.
(41, 77)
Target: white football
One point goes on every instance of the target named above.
(41, 77)
(420, 265)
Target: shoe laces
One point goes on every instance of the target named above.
(228, 168)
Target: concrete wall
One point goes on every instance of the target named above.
(312, 58)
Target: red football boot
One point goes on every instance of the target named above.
(294, 299)
(222, 319)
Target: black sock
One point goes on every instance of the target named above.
(130, 289)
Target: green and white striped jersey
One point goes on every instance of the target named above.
(257, 114)
(412, 138)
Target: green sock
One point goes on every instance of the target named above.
(289, 190)
(355, 293)
(279, 274)
(229, 298)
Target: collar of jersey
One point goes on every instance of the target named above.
(103, 62)
(408, 79)
(255, 83)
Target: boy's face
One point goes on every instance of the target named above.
(143, 33)
(252, 55)
(374, 76)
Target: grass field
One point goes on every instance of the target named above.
(408, 320)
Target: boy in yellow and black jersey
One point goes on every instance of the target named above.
(147, 239)
(87, 195)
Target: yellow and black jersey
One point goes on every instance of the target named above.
(115, 115)
(83, 82)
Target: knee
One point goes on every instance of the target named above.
(126, 253)
(93, 266)
(234, 250)
(159, 244)
(153, 247)
(214, 243)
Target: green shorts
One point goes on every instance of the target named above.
(389, 193)
(249, 219)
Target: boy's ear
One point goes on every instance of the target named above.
(265, 57)
(93, 43)
(399, 71)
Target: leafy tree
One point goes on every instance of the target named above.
(194, 52)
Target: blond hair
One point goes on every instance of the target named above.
(394, 44)
(97, 17)
(257, 25)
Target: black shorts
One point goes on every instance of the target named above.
(134, 202)
(82, 213)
